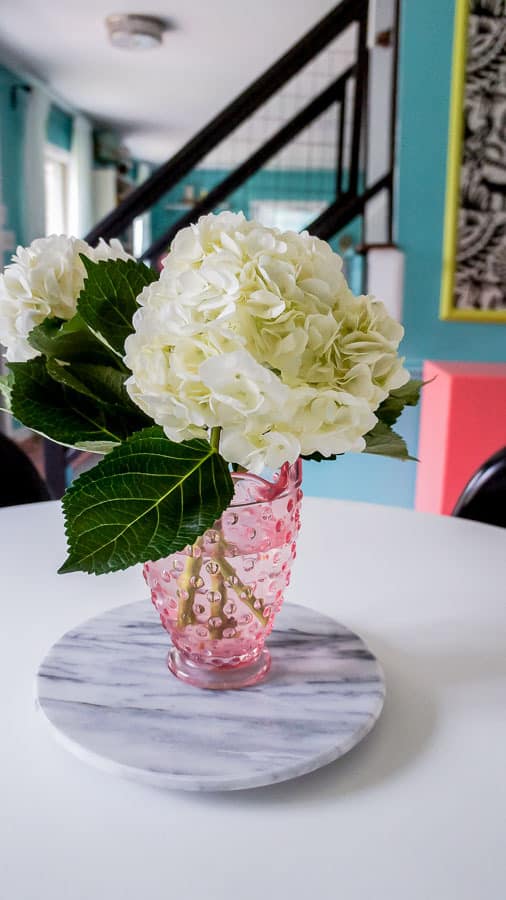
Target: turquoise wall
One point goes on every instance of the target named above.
(12, 119)
(59, 128)
(424, 94)
(12, 113)
(373, 479)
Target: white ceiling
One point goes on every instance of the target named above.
(157, 99)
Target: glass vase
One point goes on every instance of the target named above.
(218, 598)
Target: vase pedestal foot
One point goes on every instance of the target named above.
(219, 678)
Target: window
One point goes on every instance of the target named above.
(56, 175)
(288, 215)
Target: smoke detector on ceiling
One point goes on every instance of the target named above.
(135, 32)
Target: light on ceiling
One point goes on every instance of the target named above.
(135, 32)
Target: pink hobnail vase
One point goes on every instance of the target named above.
(218, 598)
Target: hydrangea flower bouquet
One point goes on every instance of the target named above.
(202, 387)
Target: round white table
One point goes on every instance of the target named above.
(417, 812)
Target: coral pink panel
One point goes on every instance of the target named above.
(463, 421)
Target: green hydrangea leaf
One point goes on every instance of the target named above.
(103, 384)
(108, 299)
(100, 447)
(384, 441)
(67, 416)
(71, 341)
(407, 395)
(148, 498)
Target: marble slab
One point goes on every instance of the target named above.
(105, 690)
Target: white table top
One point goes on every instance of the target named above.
(417, 812)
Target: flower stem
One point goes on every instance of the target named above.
(191, 570)
(245, 593)
(216, 607)
(214, 439)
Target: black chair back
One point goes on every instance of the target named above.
(484, 497)
(19, 480)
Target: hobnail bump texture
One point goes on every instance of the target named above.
(218, 598)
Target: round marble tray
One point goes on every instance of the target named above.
(105, 690)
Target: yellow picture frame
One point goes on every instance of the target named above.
(448, 310)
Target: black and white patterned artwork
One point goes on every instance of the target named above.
(480, 275)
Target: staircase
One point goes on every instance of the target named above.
(306, 107)
(312, 138)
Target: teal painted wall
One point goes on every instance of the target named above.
(12, 114)
(424, 94)
(373, 479)
(12, 119)
(59, 128)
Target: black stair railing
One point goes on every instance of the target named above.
(334, 93)
(244, 106)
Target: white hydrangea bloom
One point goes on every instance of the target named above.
(256, 331)
(44, 279)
